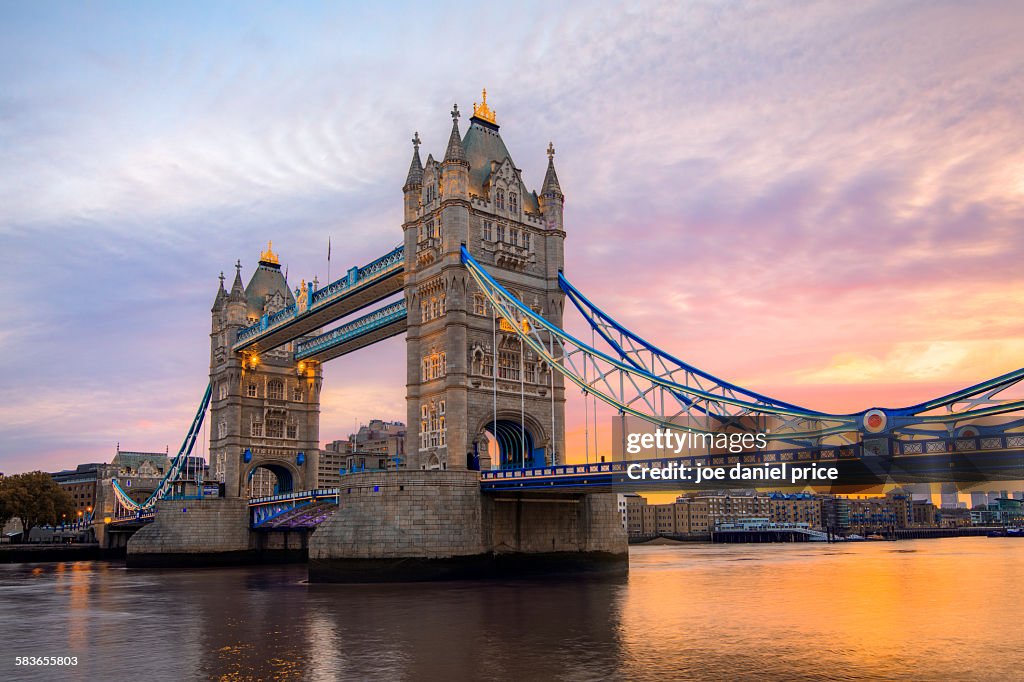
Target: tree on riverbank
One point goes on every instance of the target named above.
(36, 499)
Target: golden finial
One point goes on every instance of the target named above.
(484, 112)
(269, 256)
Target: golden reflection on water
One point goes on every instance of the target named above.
(908, 609)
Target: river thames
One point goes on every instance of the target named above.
(908, 610)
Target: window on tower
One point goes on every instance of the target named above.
(433, 366)
(275, 390)
(292, 431)
(479, 304)
(508, 365)
(500, 199)
(432, 425)
(513, 202)
(275, 428)
(488, 230)
(250, 390)
(256, 429)
(297, 394)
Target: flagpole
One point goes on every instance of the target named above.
(328, 260)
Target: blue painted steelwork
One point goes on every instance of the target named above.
(263, 509)
(389, 264)
(386, 264)
(1008, 449)
(177, 464)
(612, 378)
(353, 330)
(631, 348)
(639, 379)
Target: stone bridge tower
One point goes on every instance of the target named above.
(265, 408)
(476, 196)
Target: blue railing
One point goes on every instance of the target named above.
(385, 265)
(367, 323)
(905, 448)
(299, 495)
(280, 315)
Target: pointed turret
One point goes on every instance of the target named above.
(236, 305)
(551, 186)
(237, 288)
(455, 152)
(415, 176)
(222, 296)
(455, 167)
(551, 197)
(413, 182)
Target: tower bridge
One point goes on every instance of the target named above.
(480, 272)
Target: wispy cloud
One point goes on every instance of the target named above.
(799, 196)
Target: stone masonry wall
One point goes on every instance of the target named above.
(210, 526)
(569, 523)
(423, 514)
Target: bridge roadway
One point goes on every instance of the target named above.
(937, 460)
(360, 288)
(381, 324)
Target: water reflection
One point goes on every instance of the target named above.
(929, 609)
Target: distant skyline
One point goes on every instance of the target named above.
(823, 202)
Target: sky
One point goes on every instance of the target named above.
(821, 201)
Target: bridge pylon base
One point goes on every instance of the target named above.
(186, 533)
(437, 525)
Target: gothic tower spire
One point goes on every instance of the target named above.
(237, 288)
(222, 296)
(415, 176)
(551, 185)
(551, 198)
(455, 151)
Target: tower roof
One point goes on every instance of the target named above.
(267, 281)
(482, 145)
(222, 296)
(455, 151)
(551, 185)
(237, 289)
(415, 176)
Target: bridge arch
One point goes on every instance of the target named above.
(285, 477)
(505, 441)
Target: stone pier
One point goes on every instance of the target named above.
(435, 525)
(204, 532)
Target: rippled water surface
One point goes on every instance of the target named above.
(915, 610)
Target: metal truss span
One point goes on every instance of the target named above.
(359, 288)
(174, 471)
(368, 329)
(639, 379)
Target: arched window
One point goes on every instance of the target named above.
(500, 200)
(275, 390)
(513, 203)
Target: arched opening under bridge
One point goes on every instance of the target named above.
(269, 479)
(511, 446)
